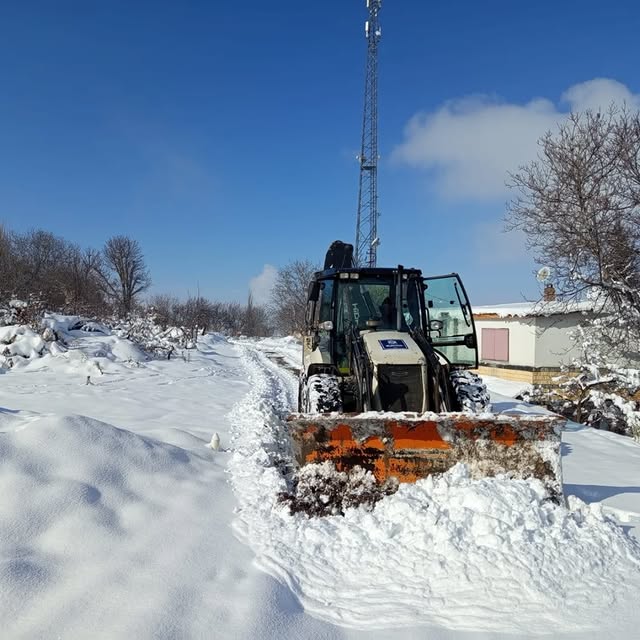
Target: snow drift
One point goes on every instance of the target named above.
(87, 509)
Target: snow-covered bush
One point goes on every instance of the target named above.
(19, 343)
(614, 413)
(612, 410)
(322, 490)
(21, 312)
(153, 338)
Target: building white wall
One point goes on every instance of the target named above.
(522, 338)
(554, 346)
(536, 341)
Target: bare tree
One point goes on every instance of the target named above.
(289, 295)
(38, 265)
(233, 318)
(124, 274)
(579, 206)
(255, 319)
(194, 315)
(7, 262)
(164, 307)
(81, 285)
(40, 259)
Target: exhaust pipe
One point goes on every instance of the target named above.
(399, 298)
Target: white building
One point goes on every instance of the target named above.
(527, 342)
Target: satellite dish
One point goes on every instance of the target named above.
(544, 273)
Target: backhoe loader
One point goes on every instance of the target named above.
(385, 382)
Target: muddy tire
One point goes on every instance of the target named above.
(321, 394)
(470, 392)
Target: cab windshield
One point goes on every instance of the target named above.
(373, 298)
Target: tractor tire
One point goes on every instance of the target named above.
(470, 392)
(322, 394)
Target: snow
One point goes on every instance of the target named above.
(118, 528)
(8, 333)
(288, 348)
(440, 553)
(118, 521)
(19, 344)
(540, 308)
(602, 468)
(61, 324)
(509, 388)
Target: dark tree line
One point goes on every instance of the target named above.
(63, 276)
(199, 315)
(57, 275)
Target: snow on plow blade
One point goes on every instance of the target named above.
(410, 446)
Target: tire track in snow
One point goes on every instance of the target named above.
(259, 456)
(281, 384)
(258, 433)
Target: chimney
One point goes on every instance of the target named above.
(549, 294)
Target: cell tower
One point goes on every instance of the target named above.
(367, 240)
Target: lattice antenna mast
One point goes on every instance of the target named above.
(367, 240)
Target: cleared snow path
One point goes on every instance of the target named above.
(444, 554)
(283, 351)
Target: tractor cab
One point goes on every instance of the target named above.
(344, 304)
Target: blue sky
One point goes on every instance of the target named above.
(223, 135)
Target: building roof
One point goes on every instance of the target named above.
(528, 309)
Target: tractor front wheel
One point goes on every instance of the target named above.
(321, 394)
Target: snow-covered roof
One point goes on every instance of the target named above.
(527, 309)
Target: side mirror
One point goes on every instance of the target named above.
(436, 325)
(470, 341)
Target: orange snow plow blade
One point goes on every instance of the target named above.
(411, 446)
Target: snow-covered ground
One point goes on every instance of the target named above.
(599, 467)
(117, 521)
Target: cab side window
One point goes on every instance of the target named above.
(326, 299)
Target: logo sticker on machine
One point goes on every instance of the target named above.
(393, 344)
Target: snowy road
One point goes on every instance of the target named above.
(123, 524)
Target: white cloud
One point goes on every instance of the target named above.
(469, 145)
(261, 285)
(599, 94)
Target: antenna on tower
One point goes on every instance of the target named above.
(367, 239)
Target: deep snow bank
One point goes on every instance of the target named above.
(67, 344)
(481, 555)
(92, 511)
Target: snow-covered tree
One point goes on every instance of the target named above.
(579, 206)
